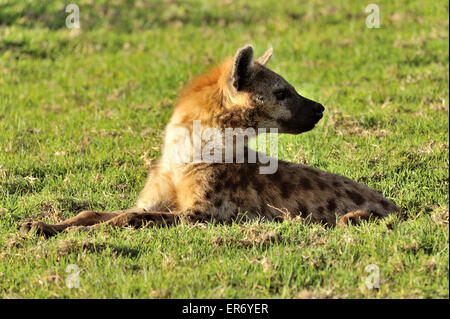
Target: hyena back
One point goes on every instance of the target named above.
(240, 93)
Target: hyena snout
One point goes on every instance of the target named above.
(306, 114)
(314, 108)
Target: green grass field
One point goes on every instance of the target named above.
(82, 114)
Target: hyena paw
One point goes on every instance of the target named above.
(39, 227)
(354, 218)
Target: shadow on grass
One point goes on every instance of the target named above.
(70, 246)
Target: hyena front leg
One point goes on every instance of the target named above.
(137, 219)
(86, 218)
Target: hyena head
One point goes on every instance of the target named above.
(271, 101)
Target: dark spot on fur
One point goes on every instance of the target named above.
(245, 179)
(286, 189)
(222, 175)
(284, 185)
(376, 213)
(208, 195)
(258, 185)
(355, 197)
(385, 204)
(248, 172)
(218, 202)
(321, 210)
(218, 187)
(322, 185)
(305, 183)
(331, 204)
(336, 184)
(275, 178)
(237, 200)
(302, 209)
(228, 183)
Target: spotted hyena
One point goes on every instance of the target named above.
(241, 94)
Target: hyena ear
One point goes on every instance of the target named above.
(242, 65)
(265, 57)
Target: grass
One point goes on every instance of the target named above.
(82, 114)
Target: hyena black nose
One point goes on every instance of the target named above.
(318, 108)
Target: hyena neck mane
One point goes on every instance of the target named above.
(210, 100)
(211, 106)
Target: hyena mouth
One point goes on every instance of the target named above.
(302, 122)
(296, 129)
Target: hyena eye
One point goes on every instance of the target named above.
(281, 94)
